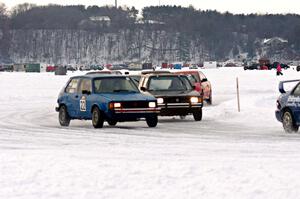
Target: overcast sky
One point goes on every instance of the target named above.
(234, 6)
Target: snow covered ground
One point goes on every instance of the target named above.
(227, 155)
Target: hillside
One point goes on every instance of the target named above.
(78, 34)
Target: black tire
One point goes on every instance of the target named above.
(97, 118)
(298, 68)
(152, 121)
(112, 122)
(209, 101)
(63, 116)
(198, 115)
(288, 122)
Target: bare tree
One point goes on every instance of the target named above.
(22, 8)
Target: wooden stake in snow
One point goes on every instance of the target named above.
(238, 94)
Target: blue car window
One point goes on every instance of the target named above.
(72, 86)
(85, 85)
(113, 85)
(297, 90)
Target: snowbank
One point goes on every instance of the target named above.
(227, 155)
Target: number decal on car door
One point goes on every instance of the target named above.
(83, 104)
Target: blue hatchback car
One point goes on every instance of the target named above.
(288, 107)
(111, 98)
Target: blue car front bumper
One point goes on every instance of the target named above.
(132, 114)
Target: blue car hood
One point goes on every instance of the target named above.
(128, 97)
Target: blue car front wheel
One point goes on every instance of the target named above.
(97, 118)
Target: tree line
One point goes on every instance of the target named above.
(218, 31)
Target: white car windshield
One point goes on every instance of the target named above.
(169, 83)
(114, 85)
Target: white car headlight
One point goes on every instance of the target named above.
(152, 104)
(160, 100)
(194, 100)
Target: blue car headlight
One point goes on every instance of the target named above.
(114, 105)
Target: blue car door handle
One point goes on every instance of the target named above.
(76, 96)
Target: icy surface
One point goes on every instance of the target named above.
(227, 155)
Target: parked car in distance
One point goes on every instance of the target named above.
(288, 107)
(230, 65)
(111, 98)
(71, 68)
(201, 83)
(96, 67)
(275, 64)
(51, 68)
(254, 66)
(6, 68)
(175, 94)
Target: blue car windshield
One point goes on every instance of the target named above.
(114, 85)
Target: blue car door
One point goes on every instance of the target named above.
(294, 103)
(84, 103)
(71, 97)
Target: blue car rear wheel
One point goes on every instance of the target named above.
(63, 116)
(288, 122)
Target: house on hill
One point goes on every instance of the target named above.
(102, 20)
(275, 42)
(94, 22)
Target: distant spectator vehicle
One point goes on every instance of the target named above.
(275, 64)
(201, 83)
(6, 68)
(71, 68)
(51, 68)
(111, 98)
(175, 94)
(252, 67)
(288, 107)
